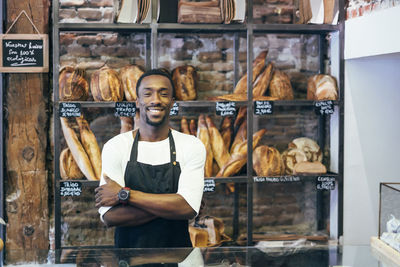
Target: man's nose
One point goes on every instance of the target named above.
(155, 98)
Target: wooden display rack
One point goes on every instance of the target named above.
(385, 253)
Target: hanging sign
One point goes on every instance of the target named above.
(263, 107)
(324, 107)
(174, 110)
(326, 183)
(24, 52)
(209, 185)
(69, 109)
(225, 108)
(73, 189)
(125, 109)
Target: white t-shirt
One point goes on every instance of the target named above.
(190, 153)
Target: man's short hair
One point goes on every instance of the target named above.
(161, 72)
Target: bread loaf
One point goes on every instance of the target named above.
(263, 80)
(72, 84)
(184, 79)
(240, 118)
(105, 85)
(184, 126)
(310, 148)
(280, 86)
(243, 97)
(203, 135)
(219, 150)
(193, 127)
(258, 67)
(267, 161)
(241, 135)
(291, 157)
(322, 87)
(198, 236)
(226, 131)
(77, 150)
(307, 167)
(129, 76)
(68, 167)
(90, 144)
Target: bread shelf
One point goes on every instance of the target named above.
(104, 27)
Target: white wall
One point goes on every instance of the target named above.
(372, 140)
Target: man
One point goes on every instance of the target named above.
(152, 179)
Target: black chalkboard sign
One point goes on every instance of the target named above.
(70, 109)
(24, 53)
(280, 179)
(263, 107)
(324, 107)
(326, 183)
(209, 185)
(174, 110)
(125, 109)
(225, 108)
(73, 189)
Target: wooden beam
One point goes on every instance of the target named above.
(26, 181)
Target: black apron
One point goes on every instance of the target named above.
(155, 179)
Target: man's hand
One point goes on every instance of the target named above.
(107, 194)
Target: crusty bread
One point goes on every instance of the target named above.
(203, 135)
(72, 84)
(263, 80)
(280, 86)
(105, 85)
(310, 148)
(184, 78)
(68, 167)
(226, 131)
(322, 87)
(267, 161)
(291, 157)
(129, 76)
(198, 236)
(219, 150)
(243, 97)
(77, 150)
(307, 167)
(90, 144)
(241, 135)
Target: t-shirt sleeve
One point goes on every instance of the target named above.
(111, 166)
(191, 180)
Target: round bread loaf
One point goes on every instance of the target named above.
(184, 79)
(72, 84)
(322, 87)
(267, 161)
(310, 148)
(290, 157)
(68, 167)
(129, 76)
(105, 85)
(280, 86)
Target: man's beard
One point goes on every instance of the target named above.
(155, 123)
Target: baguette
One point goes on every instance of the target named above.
(184, 126)
(203, 135)
(226, 131)
(192, 127)
(90, 144)
(219, 150)
(263, 80)
(78, 152)
(241, 136)
(68, 167)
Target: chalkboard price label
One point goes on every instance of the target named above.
(73, 189)
(125, 109)
(209, 185)
(70, 109)
(280, 179)
(225, 108)
(326, 183)
(263, 107)
(324, 107)
(24, 53)
(174, 110)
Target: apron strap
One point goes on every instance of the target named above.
(134, 151)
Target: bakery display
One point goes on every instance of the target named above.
(280, 86)
(267, 161)
(105, 85)
(312, 168)
(203, 135)
(68, 167)
(129, 76)
(322, 87)
(72, 84)
(184, 78)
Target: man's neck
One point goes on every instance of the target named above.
(153, 134)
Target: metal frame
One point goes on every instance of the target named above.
(151, 30)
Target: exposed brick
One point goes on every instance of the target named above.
(126, 52)
(285, 65)
(259, 221)
(285, 199)
(140, 62)
(242, 56)
(89, 13)
(108, 15)
(182, 55)
(78, 51)
(66, 13)
(211, 76)
(67, 38)
(103, 51)
(88, 40)
(93, 64)
(280, 2)
(205, 67)
(69, 3)
(117, 63)
(109, 38)
(100, 3)
(292, 209)
(284, 220)
(192, 45)
(204, 86)
(228, 66)
(224, 43)
(209, 57)
(67, 62)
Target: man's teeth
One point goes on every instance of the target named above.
(154, 110)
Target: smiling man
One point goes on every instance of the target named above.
(152, 178)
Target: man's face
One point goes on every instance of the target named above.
(154, 100)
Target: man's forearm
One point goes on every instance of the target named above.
(127, 216)
(168, 206)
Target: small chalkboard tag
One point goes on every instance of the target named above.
(225, 108)
(263, 107)
(125, 109)
(73, 189)
(326, 183)
(280, 179)
(209, 185)
(70, 109)
(324, 107)
(174, 110)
